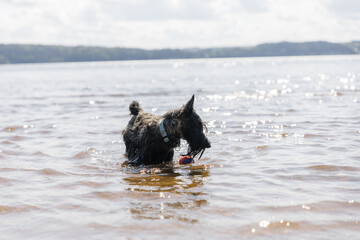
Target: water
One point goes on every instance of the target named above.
(284, 162)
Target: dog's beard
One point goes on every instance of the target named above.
(197, 147)
(194, 151)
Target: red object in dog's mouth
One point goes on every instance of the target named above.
(186, 160)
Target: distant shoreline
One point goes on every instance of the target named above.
(31, 53)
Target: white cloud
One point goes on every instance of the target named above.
(157, 10)
(177, 23)
(345, 8)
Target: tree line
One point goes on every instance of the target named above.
(30, 53)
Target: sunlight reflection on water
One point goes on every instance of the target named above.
(283, 163)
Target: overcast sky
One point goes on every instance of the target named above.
(177, 23)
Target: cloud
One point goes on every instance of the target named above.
(155, 10)
(345, 8)
(177, 23)
(255, 6)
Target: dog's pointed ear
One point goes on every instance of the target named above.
(188, 108)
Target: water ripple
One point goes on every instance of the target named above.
(283, 162)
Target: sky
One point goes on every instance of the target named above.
(154, 24)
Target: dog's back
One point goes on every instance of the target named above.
(139, 127)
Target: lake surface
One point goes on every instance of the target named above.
(284, 161)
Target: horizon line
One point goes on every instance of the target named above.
(175, 48)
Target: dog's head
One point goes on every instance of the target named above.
(187, 124)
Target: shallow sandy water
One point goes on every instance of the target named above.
(284, 162)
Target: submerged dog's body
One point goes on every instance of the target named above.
(151, 140)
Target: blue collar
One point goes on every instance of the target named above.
(163, 132)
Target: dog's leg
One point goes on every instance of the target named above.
(136, 161)
(127, 149)
(141, 156)
(169, 156)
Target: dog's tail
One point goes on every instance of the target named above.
(134, 108)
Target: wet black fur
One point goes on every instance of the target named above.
(144, 143)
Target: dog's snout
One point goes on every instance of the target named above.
(207, 144)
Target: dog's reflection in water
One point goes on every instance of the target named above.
(167, 192)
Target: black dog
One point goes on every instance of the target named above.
(151, 140)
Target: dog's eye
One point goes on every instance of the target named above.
(174, 123)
